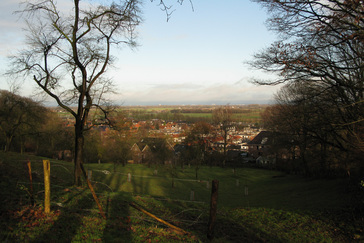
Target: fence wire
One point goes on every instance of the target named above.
(160, 186)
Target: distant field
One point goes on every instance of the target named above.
(148, 109)
(253, 115)
(202, 115)
(247, 114)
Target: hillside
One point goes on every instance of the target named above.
(253, 206)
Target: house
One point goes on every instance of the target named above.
(139, 155)
(152, 150)
(136, 154)
(64, 155)
(260, 145)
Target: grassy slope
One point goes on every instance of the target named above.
(277, 208)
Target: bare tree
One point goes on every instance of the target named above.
(197, 143)
(304, 120)
(222, 117)
(321, 44)
(169, 8)
(69, 51)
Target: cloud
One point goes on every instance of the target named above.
(181, 86)
(189, 93)
(10, 26)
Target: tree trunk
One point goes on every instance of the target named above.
(225, 143)
(323, 159)
(9, 140)
(21, 145)
(78, 160)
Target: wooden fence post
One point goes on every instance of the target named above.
(93, 191)
(47, 186)
(31, 183)
(213, 209)
(246, 190)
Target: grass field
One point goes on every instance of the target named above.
(251, 116)
(254, 205)
(191, 114)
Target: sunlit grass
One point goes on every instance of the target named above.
(254, 205)
(240, 188)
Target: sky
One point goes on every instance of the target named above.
(197, 57)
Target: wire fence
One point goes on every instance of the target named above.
(127, 182)
(138, 180)
(234, 189)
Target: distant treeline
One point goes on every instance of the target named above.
(191, 111)
(210, 110)
(167, 116)
(247, 117)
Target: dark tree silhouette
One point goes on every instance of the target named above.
(19, 116)
(69, 51)
(321, 46)
(222, 117)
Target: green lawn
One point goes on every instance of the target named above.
(264, 188)
(254, 205)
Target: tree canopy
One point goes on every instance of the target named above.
(69, 51)
(19, 116)
(319, 55)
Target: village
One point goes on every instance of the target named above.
(237, 140)
(244, 141)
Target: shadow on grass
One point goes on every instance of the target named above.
(139, 183)
(10, 200)
(69, 222)
(194, 218)
(231, 231)
(118, 225)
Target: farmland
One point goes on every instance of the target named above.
(192, 113)
(241, 113)
(254, 205)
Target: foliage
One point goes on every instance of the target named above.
(53, 137)
(196, 145)
(319, 56)
(69, 52)
(222, 116)
(306, 133)
(20, 118)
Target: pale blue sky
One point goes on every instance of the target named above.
(197, 57)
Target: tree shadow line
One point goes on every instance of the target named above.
(65, 228)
